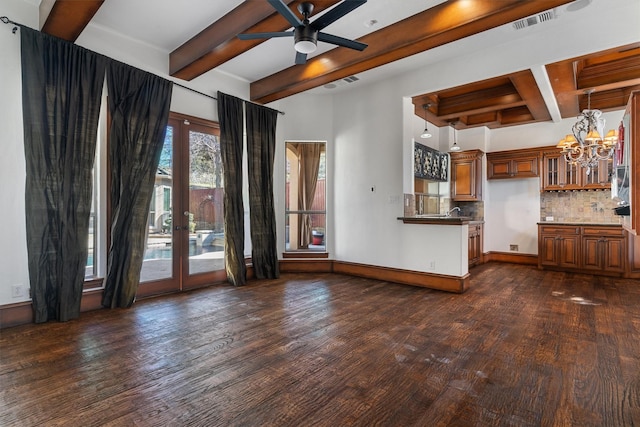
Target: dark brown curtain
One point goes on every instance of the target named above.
(261, 146)
(139, 106)
(309, 159)
(61, 93)
(231, 129)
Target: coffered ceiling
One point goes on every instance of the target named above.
(201, 35)
(516, 99)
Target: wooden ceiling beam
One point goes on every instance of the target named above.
(492, 98)
(563, 82)
(616, 71)
(483, 119)
(444, 23)
(516, 116)
(218, 43)
(481, 110)
(68, 18)
(525, 84)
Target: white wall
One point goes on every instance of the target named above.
(306, 118)
(13, 244)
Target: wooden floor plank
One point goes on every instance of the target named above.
(522, 347)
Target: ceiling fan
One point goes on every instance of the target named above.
(306, 34)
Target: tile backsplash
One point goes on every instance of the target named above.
(579, 206)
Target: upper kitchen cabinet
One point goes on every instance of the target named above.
(466, 175)
(513, 164)
(558, 174)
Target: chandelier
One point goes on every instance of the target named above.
(586, 147)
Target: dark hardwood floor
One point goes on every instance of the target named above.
(522, 347)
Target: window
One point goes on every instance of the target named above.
(305, 196)
(90, 270)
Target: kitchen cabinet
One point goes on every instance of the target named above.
(603, 249)
(557, 174)
(513, 164)
(466, 175)
(475, 244)
(559, 246)
(596, 249)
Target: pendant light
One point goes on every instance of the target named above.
(425, 133)
(455, 146)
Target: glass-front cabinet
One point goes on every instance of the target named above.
(558, 174)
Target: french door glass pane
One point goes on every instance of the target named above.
(158, 256)
(206, 221)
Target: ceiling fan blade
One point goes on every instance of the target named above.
(341, 41)
(284, 10)
(301, 58)
(252, 36)
(336, 13)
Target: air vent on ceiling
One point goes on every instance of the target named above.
(341, 82)
(535, 19)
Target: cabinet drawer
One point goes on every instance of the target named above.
(558, 229)
(603, 231)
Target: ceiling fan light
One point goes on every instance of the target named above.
(305, 46)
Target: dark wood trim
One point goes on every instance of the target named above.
(510, 257)
(306, 266)
(93, 283)
(67, 19)
(407, 277)
(15, 314)
(305, 255)
(22, 312)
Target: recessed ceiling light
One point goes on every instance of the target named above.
(577, 5)
(330, 86)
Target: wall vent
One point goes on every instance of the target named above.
(341, 82)
(535, 19)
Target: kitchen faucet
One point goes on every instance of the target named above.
(457, 208)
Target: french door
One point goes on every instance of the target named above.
(185, 241)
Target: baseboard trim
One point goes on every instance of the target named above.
(22, 312)
(407, 277)
(307, 265)
(512, 258)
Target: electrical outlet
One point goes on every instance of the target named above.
(513, 248)
(16, 291)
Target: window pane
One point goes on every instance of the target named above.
(206, 217)
(158, 255)
(305, 196)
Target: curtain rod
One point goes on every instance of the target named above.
(213, 97)
(6, 20)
